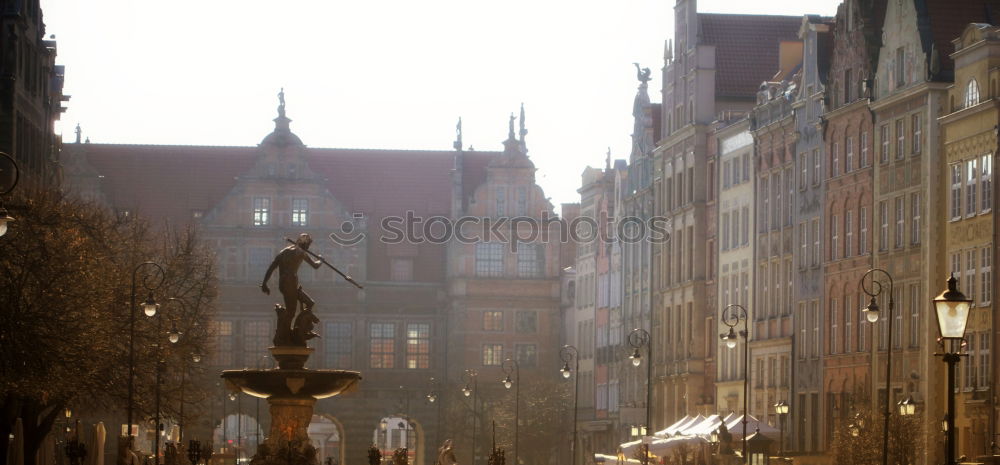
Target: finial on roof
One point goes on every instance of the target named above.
(668, 50)
(510, 131)
(281, 103)
(458, 135)
(607, 161)
(79, 132)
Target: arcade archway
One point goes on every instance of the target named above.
(396, 431)
(327, 436)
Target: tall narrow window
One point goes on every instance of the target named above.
(848, 233)
(418, 346)
(816, 167)
(261, 211)
(764, 194)
(971, 191)
(883, 233)
(725, 230)
(401, 269)
(984, 360)
(776, 207)
(834, 237)
(900, 138)
(969, 364)
(382, 345)
(986, 275)
(864, 149)
(956, 191)
(849, 154)
(915, 315)
(835, 160)
(986, 182)
(915, 218)
(815, 332)
(803, 245)
(800, 320)
(899, 222)
(971, 93)
(972, 258)
(522, 200)
(746, 167)
(338, 345)
(848, 324)
(863, 235)
(834, 327)
(735, 237)
(803, 170)
(300, 212)
(745, 226)
(816, 246)
(915, 131)
(863, 329)
(790, 198)
(897, 329)
(526, 355)
(883, 154)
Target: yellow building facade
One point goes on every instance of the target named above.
(969, 141)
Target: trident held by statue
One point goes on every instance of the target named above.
(322, 260)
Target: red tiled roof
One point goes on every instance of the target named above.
(947, 20)
(166, 183)
(746, 49)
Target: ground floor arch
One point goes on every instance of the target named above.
(327, 435)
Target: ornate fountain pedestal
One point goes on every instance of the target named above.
(291, 391)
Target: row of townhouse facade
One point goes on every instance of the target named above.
(791, 155)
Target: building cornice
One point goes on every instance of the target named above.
(923, 87)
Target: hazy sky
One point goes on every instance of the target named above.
(371, 73)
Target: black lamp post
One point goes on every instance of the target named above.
(872, 315)
(471, 388)
(566, 354)
(173, 336)
(637, 338)
(732, 315)
(511, 365)
(4, 216)
(907, 407)
(781, 408)
(151, 282)
(952, 309)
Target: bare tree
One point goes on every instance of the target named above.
(65, 275)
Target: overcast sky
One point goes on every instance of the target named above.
(371, 73)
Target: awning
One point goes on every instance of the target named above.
(661, 447)
(613, 460)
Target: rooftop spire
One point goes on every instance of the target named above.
(79, 132)
(281, 103)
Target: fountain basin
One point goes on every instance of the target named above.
(302, 383)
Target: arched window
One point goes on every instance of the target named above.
(971, 93)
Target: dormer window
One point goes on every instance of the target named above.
(971, 93)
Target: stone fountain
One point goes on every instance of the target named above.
(291, 389)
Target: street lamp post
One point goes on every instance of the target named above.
(173, 336)
(872, 315)
(508, 366)
(781, 408)
(195, 357)
(566, 354)
(952, 309)
(4, 216)
(732, 315)
(637, 338)
(149, 308)
(471, 388)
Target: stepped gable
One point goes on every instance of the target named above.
(746, 49)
